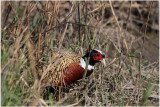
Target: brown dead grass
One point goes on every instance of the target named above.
(118, 28)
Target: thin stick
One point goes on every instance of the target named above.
(62, 36)
(139, 86)
(53, 13)
(140, 54)
(79, 26)
(147, 25)
(118, 25)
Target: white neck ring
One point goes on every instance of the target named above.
(83, 65)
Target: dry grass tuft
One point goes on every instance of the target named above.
(127, 31)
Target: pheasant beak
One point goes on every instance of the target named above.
(104, 62)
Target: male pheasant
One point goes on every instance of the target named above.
(66, 66)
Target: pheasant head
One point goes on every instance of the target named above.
(94, 56)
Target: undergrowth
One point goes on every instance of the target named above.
(126, 31)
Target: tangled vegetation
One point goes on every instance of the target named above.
(126, 31)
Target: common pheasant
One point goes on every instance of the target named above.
(66, 66)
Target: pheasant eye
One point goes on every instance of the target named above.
(96, 54)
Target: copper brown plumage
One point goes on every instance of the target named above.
(67, 66)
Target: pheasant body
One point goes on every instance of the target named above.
(67, 66)
(73, 73)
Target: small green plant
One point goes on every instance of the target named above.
(146, 94)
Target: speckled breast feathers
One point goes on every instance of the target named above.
(60, 60)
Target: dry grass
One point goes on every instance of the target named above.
(126, 31)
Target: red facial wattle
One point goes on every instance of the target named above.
(97, 56)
